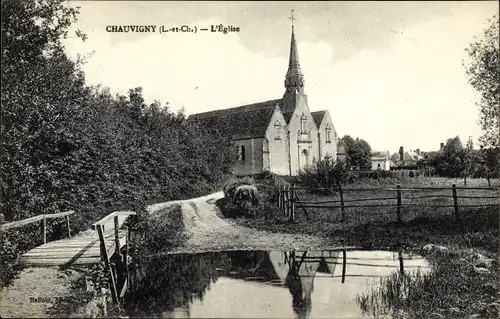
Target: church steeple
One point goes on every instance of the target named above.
(294, 79)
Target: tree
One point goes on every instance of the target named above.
(483, 71)
(358, 152)
(466, 156)
(490, 158)
(448, 162)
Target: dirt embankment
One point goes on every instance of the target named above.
(207, 231)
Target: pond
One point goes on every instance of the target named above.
(262, 284)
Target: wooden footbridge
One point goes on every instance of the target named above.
(107, 241)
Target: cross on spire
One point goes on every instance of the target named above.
(292, 17)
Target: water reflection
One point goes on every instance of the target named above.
(270, 284)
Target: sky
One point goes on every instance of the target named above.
(390, 73)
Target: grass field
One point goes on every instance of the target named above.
(377, 227)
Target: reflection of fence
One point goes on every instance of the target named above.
(289, 200)
(298, 259)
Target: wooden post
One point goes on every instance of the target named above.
(129, 231)
(398, 211)
(401, 265)
(105, 259)
(125, 256)
(292, 201)
(287, 202)
(280, 192)
(303, 208)
(342, 209)
(44, 230)
(344, 264)
(114, 280)
(283, 205)
(67, 225)
(117, 238)
(455, 202)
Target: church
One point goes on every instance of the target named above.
(281, 136)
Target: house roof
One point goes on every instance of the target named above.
(242, 122)
(318, 117)
(384, 154)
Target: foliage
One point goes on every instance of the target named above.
(66, 145)
(157, 233)
(483, 71)
(449, 161)
(416, 294)
(455, 160)
(358, 152)
(231, 185)
(326, 173)
(489, 159)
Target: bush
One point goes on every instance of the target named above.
(325, 174)
(157, 233)
(231, 185)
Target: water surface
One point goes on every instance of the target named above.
(262, 284)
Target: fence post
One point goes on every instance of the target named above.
(107, 265)
(398, 187)
(292, 200)
(287, 202)
(455, 202)
(280, 196)
(44, 229)
(117, 238)
(344, 264)
(401, 263)
(342, 209)
(67, 224)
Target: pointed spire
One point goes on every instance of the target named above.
(294, 53)
(294, 80)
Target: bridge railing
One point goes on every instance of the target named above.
(116, 292)
(43, 226)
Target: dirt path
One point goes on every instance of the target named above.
(207, 231)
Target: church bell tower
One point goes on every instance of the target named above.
(294, 79)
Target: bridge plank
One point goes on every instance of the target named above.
(79, 250)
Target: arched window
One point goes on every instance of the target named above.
(277, 126)
(305, 153)
(303, 121)
(242, 153)
(328, 131)
(265, 145)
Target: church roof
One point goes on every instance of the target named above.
(242, 122)
(288, 116)
(318, 117)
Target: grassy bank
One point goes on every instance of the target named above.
(376, 226)
(454, 288)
